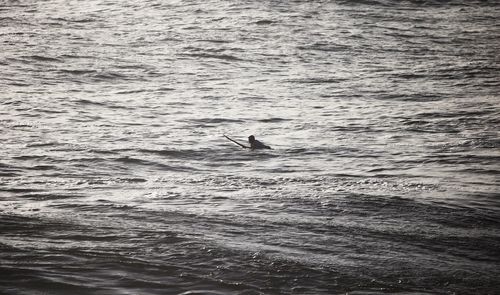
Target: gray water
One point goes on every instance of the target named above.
(115, 177)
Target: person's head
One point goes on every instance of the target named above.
(251, 139)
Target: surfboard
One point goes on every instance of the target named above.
(234, 141)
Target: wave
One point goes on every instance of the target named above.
(30, 157)
(42, 58)
(42, 167)
(317, 80)
(216, 41)
(273, 120)
(216, 120)
(46, 196)
(265, 22)
(225, 57)
(94, 75)
(105, 76)
(181, 154)
(452, 159)
(42, 144)
(76, 56)
(77, 72)
(89, 102)
(132, 91)
(416, 97)
(22, 190)
(421, 3)
(153, 164)
(326, 47)
(66, 20)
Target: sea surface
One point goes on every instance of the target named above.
(383, 116)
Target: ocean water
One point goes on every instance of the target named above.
(384, 118)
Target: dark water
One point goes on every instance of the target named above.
(383, 116)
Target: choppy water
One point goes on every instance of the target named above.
(384, 117)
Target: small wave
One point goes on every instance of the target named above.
(204, 292)
(94, 74)
(340, 151)
(215, 41)
(416, 97)
(355, 129)
(131, 91)
(86, 160)
(317, 80)
(42, 58)
(216, 120)
(157, 165)
(71, 20)
(82, 20)
(108, 152)
(467, 145)
(7, 19)
(326, 47)
(30, 157)
(49, 111)
(48, 196)
(485, 171)
(226, 57)
(89, 102)
(42, 144)
(74, 56)
(132, 180)
(253, 97)
(265, 22)
(165, 89)
(454, 159)
(21, 190)
(183, 154)
(364, 2)
(9, 174)
(448, 114)
(77, 72)
(18, 84)
(42, 167)
(109, 76)
(8, 170)
(273, 120)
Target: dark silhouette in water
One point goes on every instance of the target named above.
(255, 144)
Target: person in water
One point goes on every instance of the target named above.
(255, 144)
